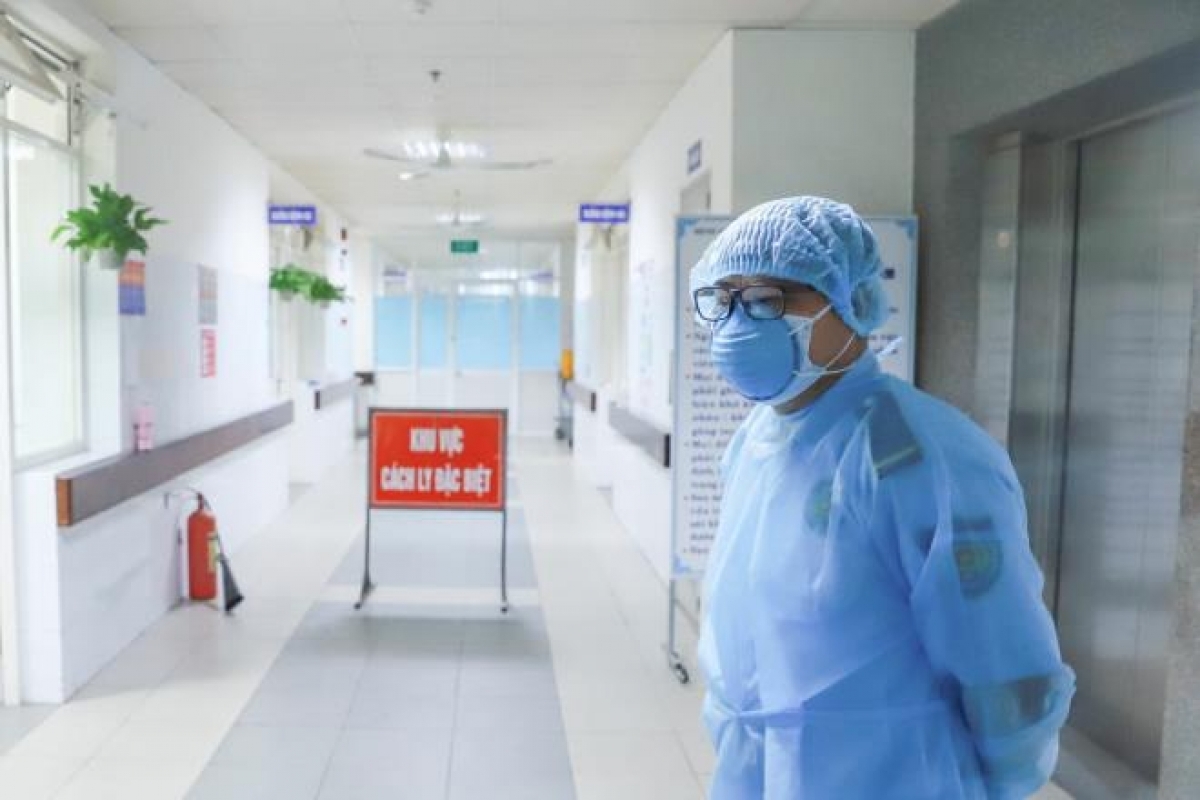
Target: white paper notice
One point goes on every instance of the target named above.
(707, 413)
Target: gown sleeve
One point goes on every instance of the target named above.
(961, 549)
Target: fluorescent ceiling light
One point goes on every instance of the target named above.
(460, 218)
(431, 150)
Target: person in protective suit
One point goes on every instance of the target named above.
(874, 627)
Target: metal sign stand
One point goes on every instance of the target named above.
(368, 585)
(674, 659)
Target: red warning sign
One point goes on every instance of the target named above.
(208, 352)
(438, 459)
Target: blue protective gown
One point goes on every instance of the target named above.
(875, 628)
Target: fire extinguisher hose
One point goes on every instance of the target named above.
(230, 591)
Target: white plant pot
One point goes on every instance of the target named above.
(107, 259)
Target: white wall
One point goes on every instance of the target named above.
(701, 111)
(161, 360)
(109, 596)
(319, 438)
(599, 302)
(366, 259)
(656, 175)
(212, 185)
(780, 113)
(338, 317)
(595, 442)
(824, 112)
(88, 591)
(313, 344)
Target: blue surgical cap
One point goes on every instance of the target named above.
(809, 240)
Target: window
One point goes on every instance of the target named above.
(393, 332)
(40, 183)
(45, 308)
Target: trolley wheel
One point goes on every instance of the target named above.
(681, 674)
(504, 608)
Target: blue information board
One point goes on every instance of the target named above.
(604, 213)
(292, 215)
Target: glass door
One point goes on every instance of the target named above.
(435, 348)
(485, 347)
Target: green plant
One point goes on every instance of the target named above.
(113, 222)
(323, 291)
(291, 280)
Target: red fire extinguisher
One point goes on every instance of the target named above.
(203, 550)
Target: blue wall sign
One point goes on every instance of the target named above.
(695, 156)
(293, 215)
(604, 213)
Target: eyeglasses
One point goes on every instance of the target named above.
(715, 303)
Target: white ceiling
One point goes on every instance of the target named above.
(313, 82)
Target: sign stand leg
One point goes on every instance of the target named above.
(674, 660)
(504, 560)
(368, 585)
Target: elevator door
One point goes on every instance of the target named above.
(1135, 266)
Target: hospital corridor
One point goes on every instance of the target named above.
(637, 400)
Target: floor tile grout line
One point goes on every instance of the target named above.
(534, 545)
(462, 651)
(344, 727)
(599, 548)
(112, 735)
(358, 683)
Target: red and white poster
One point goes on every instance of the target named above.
(208, 352)
(438, 459)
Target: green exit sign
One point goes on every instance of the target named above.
(464, 245)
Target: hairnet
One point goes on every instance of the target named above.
(810, 240)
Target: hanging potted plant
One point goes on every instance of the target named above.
(323, 292)
(290, 280)
(109, 229)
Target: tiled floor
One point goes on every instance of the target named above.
(429, 693)
(434, 699)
